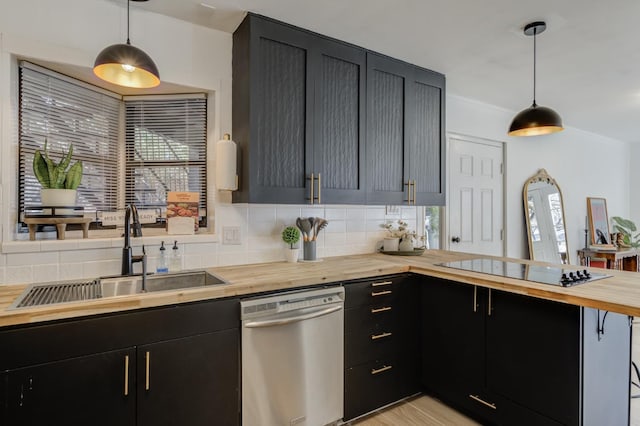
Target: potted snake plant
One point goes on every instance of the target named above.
(59, 180)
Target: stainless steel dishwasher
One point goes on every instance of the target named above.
(292, 358)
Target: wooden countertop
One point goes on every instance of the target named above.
(620, 293)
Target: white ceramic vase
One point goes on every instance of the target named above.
(406, 244)
(291, 255)
(391, 243)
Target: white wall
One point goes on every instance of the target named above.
(634, 183)
(583, 164)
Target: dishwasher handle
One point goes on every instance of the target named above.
(291, 319)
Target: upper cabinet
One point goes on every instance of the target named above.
(405, 133)
(307, 134)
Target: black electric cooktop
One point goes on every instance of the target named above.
(563, 277)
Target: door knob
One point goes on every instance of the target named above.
(455, 239)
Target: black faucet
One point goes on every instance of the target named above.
(127, 258)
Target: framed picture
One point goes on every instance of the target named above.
(598, 222)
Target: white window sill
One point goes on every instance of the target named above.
(51, 244)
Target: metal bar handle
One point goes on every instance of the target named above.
(381, 283)
(380, 336)
(481, 401)
(288, 320)
(126, 375)
(408, 185)
(414, 192)
(147, 357)
(490, 307)
(381, 370)
(381, 293)
(378, 310)
(475, 298)
(311, 198)
(319, 189)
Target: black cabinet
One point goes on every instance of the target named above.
(298, 112)
(163, 366)
(511, 359)
(405, 133)
(381, 352)
(95, 389)
(321, 121)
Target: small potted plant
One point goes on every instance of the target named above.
(59, 180)
(291, 236)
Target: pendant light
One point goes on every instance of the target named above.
(126, 65)
(535, 120)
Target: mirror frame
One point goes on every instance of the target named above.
(543, 176)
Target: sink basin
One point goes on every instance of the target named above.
(118, 286)
(73, 291)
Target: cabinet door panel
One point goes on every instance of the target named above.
(386, 130)
(338, 120)
(533, 353)
(426, 162)
(192, 381)
(452, 340)
(88, 390)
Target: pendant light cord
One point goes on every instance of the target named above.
(535, 32)
(129, 41)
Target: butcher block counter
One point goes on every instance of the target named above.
(619, 293)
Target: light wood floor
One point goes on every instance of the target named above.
(419, 411)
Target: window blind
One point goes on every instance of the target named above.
(55, 109)
(165, 149)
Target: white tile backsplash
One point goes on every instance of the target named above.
(351, 230)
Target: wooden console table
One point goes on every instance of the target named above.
(59, 222)
(621, 259)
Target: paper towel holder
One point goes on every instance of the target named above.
(226, 163)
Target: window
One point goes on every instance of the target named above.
(164, 141)
(166, 144)
(432, 226)
(62, 112)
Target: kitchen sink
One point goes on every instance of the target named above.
(73, 291)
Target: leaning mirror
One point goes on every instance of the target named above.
(544, 213)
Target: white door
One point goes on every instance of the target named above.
(475, 196)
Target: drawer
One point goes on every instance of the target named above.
(365, 318)
(369, 345)
(371, 292)
(372, 385)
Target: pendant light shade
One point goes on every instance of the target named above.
(535, 120)
(126, 65)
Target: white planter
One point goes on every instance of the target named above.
(291, 255)
(58, 197)
(391, 244)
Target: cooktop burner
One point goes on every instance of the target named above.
(562, 277)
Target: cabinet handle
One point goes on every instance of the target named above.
(381, 283)
(380, 370)
(380, 336)
(126, 375)
(147, 357)
(319, 189)
(378, 310)
(414, 192)
(481, 401)
(408, 185)
(489, 308)
(381, 293)
(312, 178)
(475, 298)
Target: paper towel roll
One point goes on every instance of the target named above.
(226, 157)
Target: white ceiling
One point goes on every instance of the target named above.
(588, 58)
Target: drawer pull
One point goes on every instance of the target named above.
(381, 283)
(146, 372)
(381, 370)
(481, 401)
(381, 293)
(380, 336)
(385, 309)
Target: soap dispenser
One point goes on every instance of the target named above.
(161, 266)
(175, 264)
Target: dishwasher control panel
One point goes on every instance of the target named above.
(291, 301)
